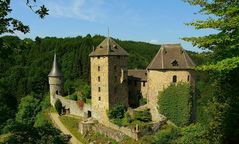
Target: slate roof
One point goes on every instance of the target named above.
(108, 47)
(171, 56)
(140, 75)
(55, 71)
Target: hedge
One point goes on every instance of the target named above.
(175, 103)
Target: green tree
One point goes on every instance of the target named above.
(27, 110)
(58, 106)
(223, 16)
(46, 134)
(9, 24)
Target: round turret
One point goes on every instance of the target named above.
(56, 81)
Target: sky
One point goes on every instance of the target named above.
(153, 21)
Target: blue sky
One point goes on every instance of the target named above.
(154, 21)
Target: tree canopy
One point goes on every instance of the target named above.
(10, 24)
(222, 107)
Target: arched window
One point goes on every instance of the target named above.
(174, 78)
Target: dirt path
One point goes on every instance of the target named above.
(55, 119)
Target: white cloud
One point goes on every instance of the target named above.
(154, 41)
(90, 10)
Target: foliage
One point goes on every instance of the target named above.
(223, 17)
(45, 134)
(3, 109)
(142, 101)
(116, 112)
(144, 115)
(223, 67)
(73, 97)
(27, 110)
(41, 117)
(58, 106)
(9, 24)
(194, 133)
(175, 103)
(167, 134)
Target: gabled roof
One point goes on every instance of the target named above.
(55, 71)
(140, 75)
(171, 56)
(108, 47)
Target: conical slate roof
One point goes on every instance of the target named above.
(108, 47)
(55, 71)
(171, 56)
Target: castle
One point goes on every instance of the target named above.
(112, 83)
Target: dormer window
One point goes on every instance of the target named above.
(174, 63)
(115, 46)
(101, 46)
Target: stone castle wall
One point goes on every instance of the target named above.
(73, 107)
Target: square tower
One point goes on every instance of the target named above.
(109, 84)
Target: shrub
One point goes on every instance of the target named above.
(142, 101)
(27, 110)
(144, 116)
(175, 103)
(58, 106)
(73, 97)
(116, 112)
(167, 135)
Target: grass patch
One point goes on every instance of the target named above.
(71, 123)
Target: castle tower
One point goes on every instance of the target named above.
(56, 81)
(109, 84)
(170, 65)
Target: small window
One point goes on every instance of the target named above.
(118, 57)
(98, 57)
(174, 78)
(115, 67)
(143, 84)
(98, 78)
(99, 98)
(188, 78)
(98, 89)
(135, 83)
(98, 68)
(115, 78)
